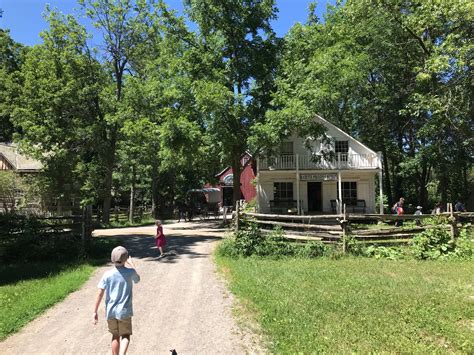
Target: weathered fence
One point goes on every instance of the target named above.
(120, 214)
(337, 228)
(16, 229)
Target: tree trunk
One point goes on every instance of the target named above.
(386, 178)
(236, 176)
(132, 195)
(154, 189)
(422, 189)
(109, 177)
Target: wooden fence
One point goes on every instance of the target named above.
(335, 229)
(122, 214)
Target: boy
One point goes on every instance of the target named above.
(117, 284)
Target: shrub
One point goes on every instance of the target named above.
(433, 243)
(379, 252)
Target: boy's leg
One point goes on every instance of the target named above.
(115, 344)
(124, 344)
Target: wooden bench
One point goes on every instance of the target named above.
(283, 206)
(358, 206)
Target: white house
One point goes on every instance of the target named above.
(305, 181)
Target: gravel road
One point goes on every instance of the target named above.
(181, 303)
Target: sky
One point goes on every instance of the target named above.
(24, 17)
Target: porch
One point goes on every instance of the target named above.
(320, 162)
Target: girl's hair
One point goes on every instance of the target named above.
(158, 221)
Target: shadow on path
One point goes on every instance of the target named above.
(143, 247)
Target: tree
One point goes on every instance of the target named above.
(126, 25)
(59, 111)
(396, 75)
(11, 59)
(234, 61)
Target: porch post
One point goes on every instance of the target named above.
(339, 184)
(380, 182)
(297, 184)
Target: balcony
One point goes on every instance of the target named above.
(319, 162)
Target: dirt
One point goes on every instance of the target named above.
(181, 303)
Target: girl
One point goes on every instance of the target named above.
(160, 238)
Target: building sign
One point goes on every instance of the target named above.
(318, 177)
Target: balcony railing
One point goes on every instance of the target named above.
(319, 162)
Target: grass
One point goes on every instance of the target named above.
(23, 301)
(28, 289)
(357, 305)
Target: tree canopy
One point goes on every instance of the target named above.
(156, 109)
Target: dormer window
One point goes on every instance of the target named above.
(286, 148)
(342, 148)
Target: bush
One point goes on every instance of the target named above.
(250, 240)
(436, 243)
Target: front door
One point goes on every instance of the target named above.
(315, 200)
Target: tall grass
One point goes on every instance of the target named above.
(358, 304)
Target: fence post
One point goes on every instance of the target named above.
(344, 230)
(453, 223)
(116, 213)
(237, 214)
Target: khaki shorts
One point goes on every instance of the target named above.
(120, 327)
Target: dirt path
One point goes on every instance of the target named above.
(181, 303)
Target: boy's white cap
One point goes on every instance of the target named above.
(119, 255)
(419, 207)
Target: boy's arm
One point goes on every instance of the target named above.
(100, 294)
(132, 264)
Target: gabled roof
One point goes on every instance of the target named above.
(243, 166)
(18, 161)
(329, 124)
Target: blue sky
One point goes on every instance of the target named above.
(24, 20)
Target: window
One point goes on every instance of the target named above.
(283, 191)
(349, 192)
(342, 147)
(286, 148)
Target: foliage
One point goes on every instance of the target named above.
(251, 241)
(9, 185)
(233, 62)
(356, 305)
(436, 243)
(398, 76)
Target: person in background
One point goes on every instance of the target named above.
(459, 207)
(160, 238)
(438, 209)
(398, 210)
(418, 213)
(117, 284)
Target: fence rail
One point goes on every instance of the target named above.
(334, 229)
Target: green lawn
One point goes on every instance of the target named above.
(28, 288)
(22, 301)
(358, 304)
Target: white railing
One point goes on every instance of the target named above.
(319, 162)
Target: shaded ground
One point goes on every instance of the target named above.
(180, 303)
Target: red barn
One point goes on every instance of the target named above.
(247, 187)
